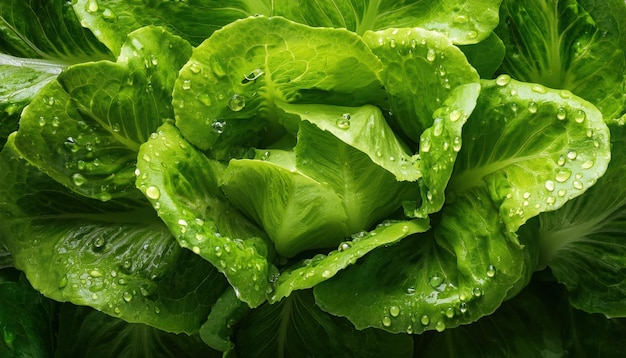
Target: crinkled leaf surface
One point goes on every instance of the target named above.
(320, 268)
(568, 44)
(226, 95)
(193, 20)
(84, 332)
(20, 80)
(432, 90)
(363, 128)
(368, 192)
(584, 244)
(298, 212)
(463, 21)
(47, 29)
(437, 280)
(533, 147)
(297, 327)
(117, 256)
(25, 321)
(182, 185)
(525, 326)
(85, 129)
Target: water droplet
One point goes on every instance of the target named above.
(152, 192)
(532, 107)
(109, 15)
(63, 282)
(154, 60)
(431, 55)
(463, 307)
(95, 273)
(572, 155)
(196, 250)
(186, 85)
(460, 19)
(472, 34)
(392, 43)
(218, 126)
(435, 281)
(551, 200)
(563, 175)
(503, 80)
(237, 102)
(386, 321)
(127, 296)
(477, 292)
(440, 326)
(91, 6)
(450, 312)
(587, 165)
(394, 311)
(343, 123)
(266, 155)
(455, 115)
(117, 310)
(424, 144)
(549, 185)
(561, 193)
(578, 185)
(580, 116)
(94, 296)
(561, 113)
(491, 271)
(437, 127)
(539, 89)
(425, 320)
(42, 121)
(561, 161)
(344, 246)
(565, 94)
(456, 144)
(78, 179)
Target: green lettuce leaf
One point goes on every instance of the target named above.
(432, 91)
(85, 129)
(533, 147)
(217, 331)
(85, 332)
(296, 327)
(193, 20)
(226, 95)
(25, 321)
(583, 242)
(117, 256)
(464, 22)
(569, 44)
(486, 56)
(47, 29)
(437, 280)
(182, 185)
(310, 272)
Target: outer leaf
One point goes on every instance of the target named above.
(297, 327)
(310, 272)
(47, 29)
(84, 332)
(298, 212)
(226, 95)
(117, 257)
(534, 148)
(463, 21)
(438, 280)
(568, 44)
(182, 185)
(20, 80)
(365, 129)
(25, 321)
(432, 90)
(525, 326)
(583, 242)
(85, 129)
(194, 20)
(216, 332)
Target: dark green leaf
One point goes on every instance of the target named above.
(182, 185)
(117, 257)
(486, 56)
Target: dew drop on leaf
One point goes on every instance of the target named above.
(440, 326)
(78, 179)
(153, 192)
(237, 102)
(394, 311)
(503, 80)
(491, 271)
(386, 321)
(425, 320)
(431, 55)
